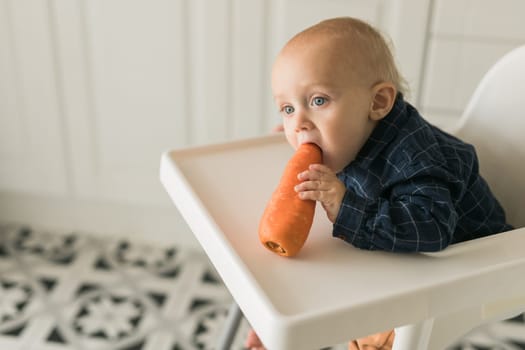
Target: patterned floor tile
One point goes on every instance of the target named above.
(74, 291)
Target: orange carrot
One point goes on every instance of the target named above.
(287, 219)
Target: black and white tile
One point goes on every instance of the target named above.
(74, 291)
(505, 335)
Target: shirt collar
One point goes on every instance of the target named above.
(385, 130)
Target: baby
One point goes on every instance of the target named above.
(389, 179)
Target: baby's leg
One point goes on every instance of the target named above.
(253, 342)
(378, 341)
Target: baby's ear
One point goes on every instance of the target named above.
(383, 98)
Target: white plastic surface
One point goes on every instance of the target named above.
(330, 292)
(494, 121)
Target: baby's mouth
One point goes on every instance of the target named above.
(304, 138)
(317, 144)
(312, 142)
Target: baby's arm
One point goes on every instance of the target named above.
(321, 184)
(415, 215)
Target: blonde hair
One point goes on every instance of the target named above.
(360, 37)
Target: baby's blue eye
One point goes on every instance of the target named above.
(288, 109)
(319, 101)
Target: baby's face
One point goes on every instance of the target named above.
(322, 100)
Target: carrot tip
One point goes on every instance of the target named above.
(275, 247)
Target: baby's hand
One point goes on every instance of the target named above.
(321, 184)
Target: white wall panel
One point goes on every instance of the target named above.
(32, 148)
(10, 121)
(481, 19)
(120, 81)
(165, 74)
(466, 39)
(296, 15)
(406, 22)
(125, 91)
(137, 78)
(92, 91)
(209, 45)
(250, 91)
(454, 70)
(77, 93)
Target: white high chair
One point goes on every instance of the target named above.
(332, 292)
(494, 121)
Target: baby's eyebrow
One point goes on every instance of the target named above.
(323, 86)
(310, 88)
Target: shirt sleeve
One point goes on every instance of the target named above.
(412, 216)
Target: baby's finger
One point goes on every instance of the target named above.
(305, 175)
(311, 195)
(311, 185)
(315, 195)
(321, 168)
(312, 174)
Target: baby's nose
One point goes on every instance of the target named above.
(302, 122)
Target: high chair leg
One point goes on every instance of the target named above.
(230, 327)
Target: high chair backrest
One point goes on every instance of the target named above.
(494, 122)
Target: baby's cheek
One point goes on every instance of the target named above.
(328, 160)
(292, 139)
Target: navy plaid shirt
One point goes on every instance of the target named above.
(413, 187)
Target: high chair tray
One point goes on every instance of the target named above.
(330, 292)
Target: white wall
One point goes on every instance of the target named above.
(92, 91)
(466, 37)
